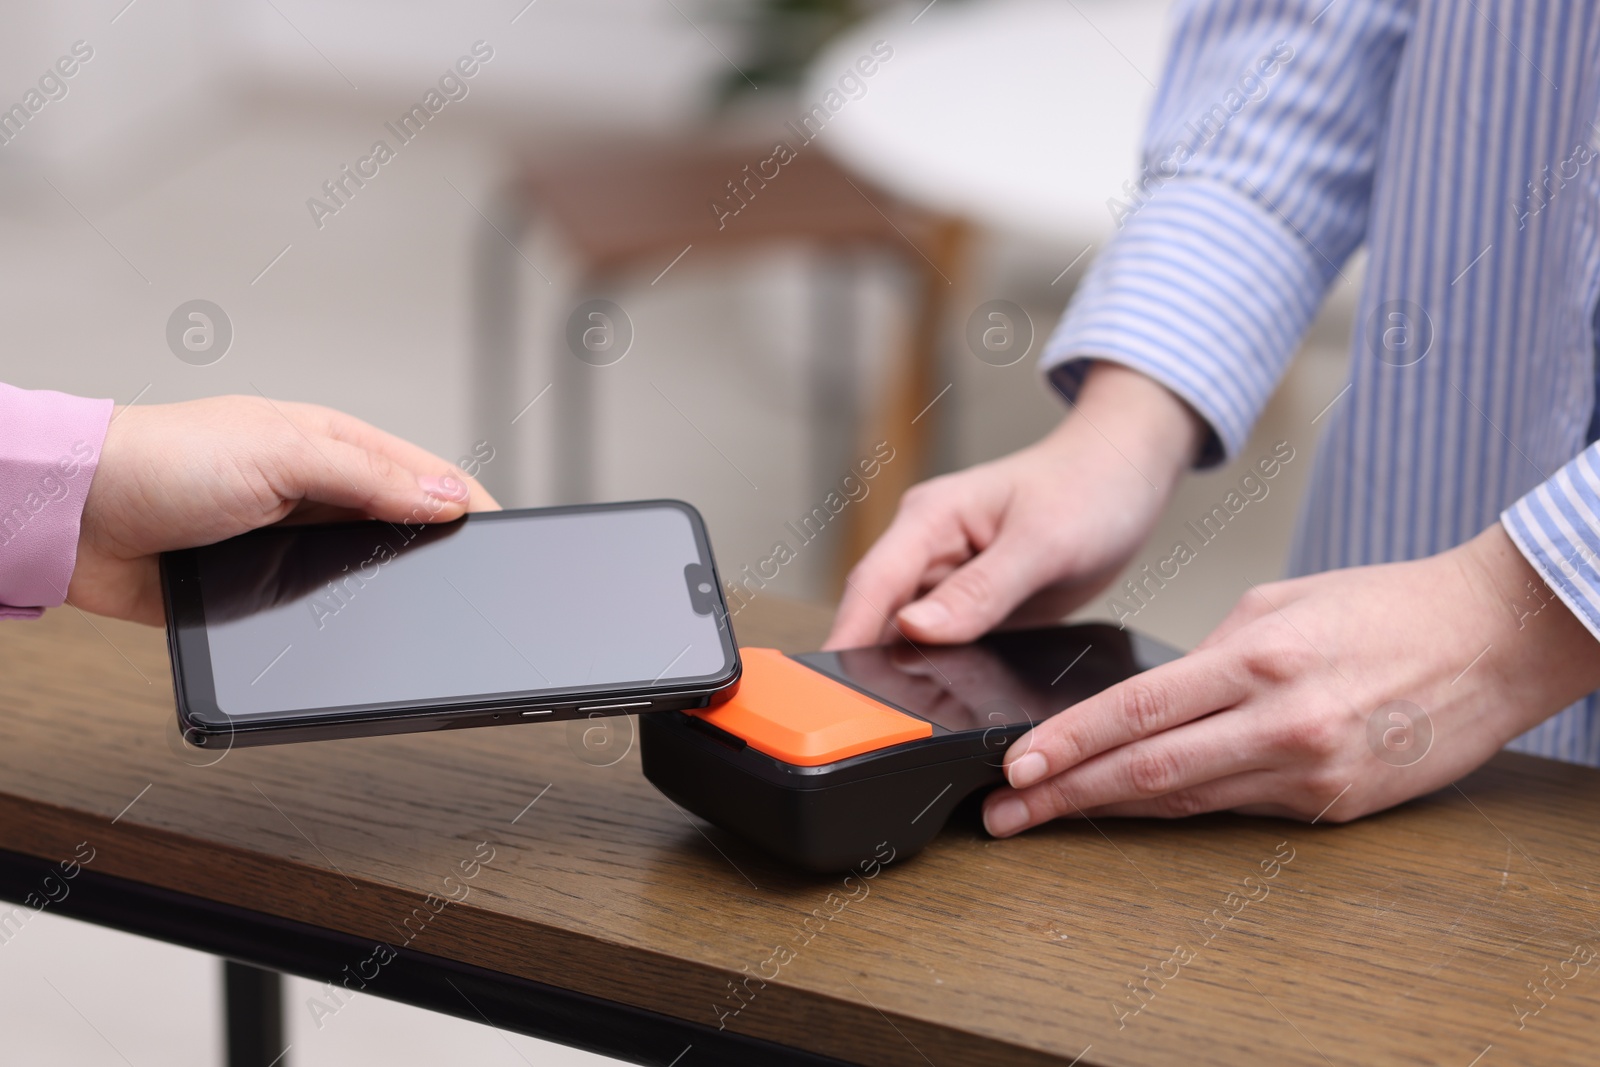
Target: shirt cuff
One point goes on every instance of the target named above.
(49, 449)
(1557, 527)
(1206, 290)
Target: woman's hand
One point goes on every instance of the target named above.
(1293, 706)
(1032, 535)
(179, 475)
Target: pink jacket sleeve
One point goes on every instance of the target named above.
(49, 448)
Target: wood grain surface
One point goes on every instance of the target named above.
(1457, 930)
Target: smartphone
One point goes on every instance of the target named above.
(294, 633)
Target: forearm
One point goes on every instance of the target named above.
(1228, 240)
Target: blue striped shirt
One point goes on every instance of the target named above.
(1453, 139)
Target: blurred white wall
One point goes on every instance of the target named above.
(166, 78)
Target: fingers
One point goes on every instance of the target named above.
(1175, 768)
(976, 596)
(951, 537)
(351, 430)
(1223, 794)
(859, 621)
(343, 475)
(1148, 703)
(892, 572)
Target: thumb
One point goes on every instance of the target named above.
(973, 598)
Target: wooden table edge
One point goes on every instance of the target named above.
(143, 866)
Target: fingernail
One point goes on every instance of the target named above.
(925, 614)
(1026, 770)
(1006, 817)
(446, 488)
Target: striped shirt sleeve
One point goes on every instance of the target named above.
(1257, 172)
(1557, 527)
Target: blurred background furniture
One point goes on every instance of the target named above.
(627, 215)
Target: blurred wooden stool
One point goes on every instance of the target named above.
(643, 209)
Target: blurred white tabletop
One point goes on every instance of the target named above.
(1021, 115)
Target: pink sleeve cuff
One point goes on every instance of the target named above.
(49, 448)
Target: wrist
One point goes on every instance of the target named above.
(1544, 653)
(1510, 588)
(1145, 422)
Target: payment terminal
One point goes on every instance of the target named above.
(823, 757)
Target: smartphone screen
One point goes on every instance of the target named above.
(1002, 679)
(321, 619)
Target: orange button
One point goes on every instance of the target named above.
(802, 716)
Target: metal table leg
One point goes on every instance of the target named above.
(254, 1009)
